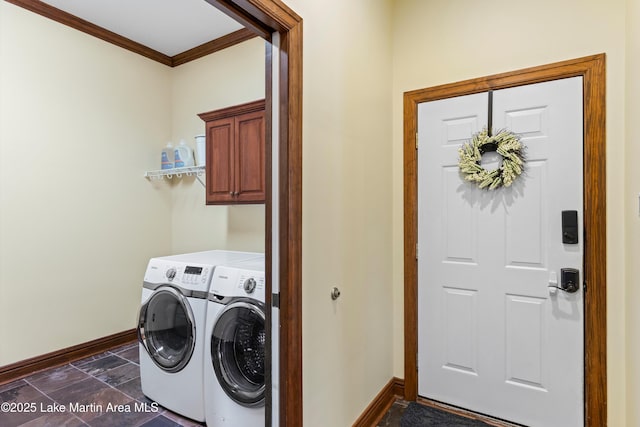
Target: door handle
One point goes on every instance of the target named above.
(569, 281)
(553, 283)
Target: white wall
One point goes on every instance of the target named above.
(346, 212)
(232, 76)
(444, 41)
(632, 194)
(80, 122)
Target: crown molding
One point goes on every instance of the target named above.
(65, 18)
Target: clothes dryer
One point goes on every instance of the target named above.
(234, 366)
(171, 325)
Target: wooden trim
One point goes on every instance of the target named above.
(268, 192)
(87, 27)
(410, 260)
(395, 389)
(592, 69)
(595, 251)
(261, 16)
(213, 46)
(290, 225)
(398, 387)
(274, 13)
(266, 17)
(27, 367)
(242, 16)
(235, 110)
(381, 403)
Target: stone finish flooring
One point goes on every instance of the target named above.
(87, 386)
(394, 415)
(112, 377)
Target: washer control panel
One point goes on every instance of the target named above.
(195, 275)
(187, 275)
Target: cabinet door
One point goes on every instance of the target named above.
(249, 158)
(220, 161)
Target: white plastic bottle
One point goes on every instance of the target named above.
(167, 157)
(201, 149)
(183, 155)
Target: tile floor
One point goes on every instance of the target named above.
(394, 415)
(85, 388)
(91, 384)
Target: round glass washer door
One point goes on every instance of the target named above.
(166, 328)
(237, 352)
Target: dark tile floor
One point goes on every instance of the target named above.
(394, 415)
(79, 394)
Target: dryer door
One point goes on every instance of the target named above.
(237, 352)
(166, 329)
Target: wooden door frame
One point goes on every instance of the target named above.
(592, 70)
(265, 17)
(262, 18)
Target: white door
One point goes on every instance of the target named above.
(493, 337)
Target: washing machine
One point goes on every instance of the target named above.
(171, 326)
(234, 366)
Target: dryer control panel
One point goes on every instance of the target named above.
(235, 282)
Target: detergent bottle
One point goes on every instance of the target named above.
(167, 157)
(183, 155)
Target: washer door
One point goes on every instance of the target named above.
(237, 352)
(166, 328)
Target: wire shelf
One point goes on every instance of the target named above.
(160, 174)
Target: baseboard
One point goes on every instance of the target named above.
(381, 403)
(27, 367)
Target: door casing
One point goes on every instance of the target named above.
(265, 17)
(592, 69)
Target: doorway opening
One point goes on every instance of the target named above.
(283, 251)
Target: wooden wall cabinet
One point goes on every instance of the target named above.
(235, 153)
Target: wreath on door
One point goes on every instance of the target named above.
(505, 143)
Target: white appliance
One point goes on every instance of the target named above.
(234, 365)
(171, 325)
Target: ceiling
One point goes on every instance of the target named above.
(167, 26)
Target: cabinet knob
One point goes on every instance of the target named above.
(231, 193)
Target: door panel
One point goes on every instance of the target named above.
(526, 244)
(448, 235)
(491, 336)
(460, 314)
(220, 158)
(250, 156)
(524, 340)
(460, 222)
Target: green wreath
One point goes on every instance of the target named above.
(505, 143)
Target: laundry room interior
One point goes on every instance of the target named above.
(94, 209)
(83, 123)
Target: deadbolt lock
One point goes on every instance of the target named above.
(569, 280)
